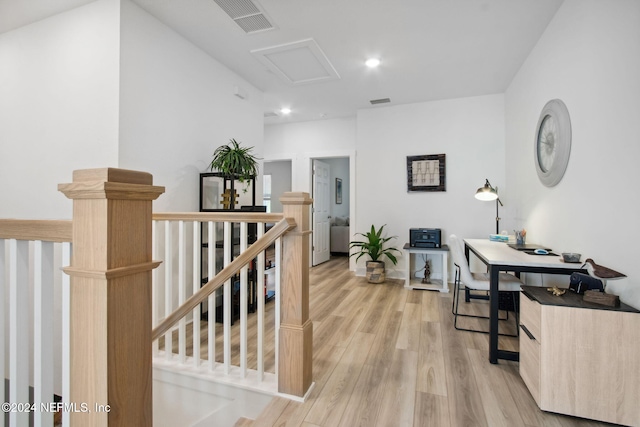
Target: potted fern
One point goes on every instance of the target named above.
(235, 163)
(374, 246)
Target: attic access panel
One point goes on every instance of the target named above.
(296, 63)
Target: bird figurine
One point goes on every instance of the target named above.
(601, 272)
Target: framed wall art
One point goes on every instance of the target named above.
(338, 191)
(426, 173)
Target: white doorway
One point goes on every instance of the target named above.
(321, 211)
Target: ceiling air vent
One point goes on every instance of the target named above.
(270, 114)
(247, 14)
(379, 101)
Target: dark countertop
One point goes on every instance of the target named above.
(569, 299)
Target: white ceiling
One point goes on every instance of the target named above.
(430, 49)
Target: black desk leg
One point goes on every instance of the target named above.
(493, 314)
(467, 294)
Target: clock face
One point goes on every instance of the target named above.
(553, 142)
(547, 143)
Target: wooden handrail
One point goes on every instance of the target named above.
(218, 216)
(45, 230)
(284, 225)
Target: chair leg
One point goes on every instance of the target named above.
(456, 301)
(455, 306)
(516, 311)
(456, 290)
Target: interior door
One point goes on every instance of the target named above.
(321, 211)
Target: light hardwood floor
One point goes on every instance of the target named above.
(387, 356)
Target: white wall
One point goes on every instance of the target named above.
(589, 57)
(280, 172)
(58, 106)
(470, 131)
(73, 95)
(177, 106)
(304, 141)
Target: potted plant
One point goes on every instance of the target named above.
(235, 162)
(374, 247)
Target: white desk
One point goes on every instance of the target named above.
(438, 284)
(497, 256)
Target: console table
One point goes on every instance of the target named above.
(579, 358)
(411, 264)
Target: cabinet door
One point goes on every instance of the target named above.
(530, 315)
(590, 364)
(530, 363)
(530, 345)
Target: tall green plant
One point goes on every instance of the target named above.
(373, 245)
(235, 161)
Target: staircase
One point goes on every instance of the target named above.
(118, 321)
(180, 400)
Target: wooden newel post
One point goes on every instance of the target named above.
(296, 330)
(110, 307)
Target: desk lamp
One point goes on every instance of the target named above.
(487, 193)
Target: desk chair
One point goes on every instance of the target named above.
(465, 280)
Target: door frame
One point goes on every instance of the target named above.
(302, 180)
(351, 155)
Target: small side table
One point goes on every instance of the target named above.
(440, 282)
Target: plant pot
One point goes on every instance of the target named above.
(375, 271)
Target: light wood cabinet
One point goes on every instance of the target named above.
(530, 346)
(580, 359)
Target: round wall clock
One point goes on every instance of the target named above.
(552, 145)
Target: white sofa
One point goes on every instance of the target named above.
(339, 235)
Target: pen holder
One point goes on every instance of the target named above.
(520, 237)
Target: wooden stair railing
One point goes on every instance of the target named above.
(110, 345)
(227, 272)
(295, 330)
(110, 297)
(29, 272)
(30, 229)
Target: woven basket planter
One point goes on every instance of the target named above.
(375, 271)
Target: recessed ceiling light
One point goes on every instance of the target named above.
(372, 62)
(285, 111)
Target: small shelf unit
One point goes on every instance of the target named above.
(414, 264)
